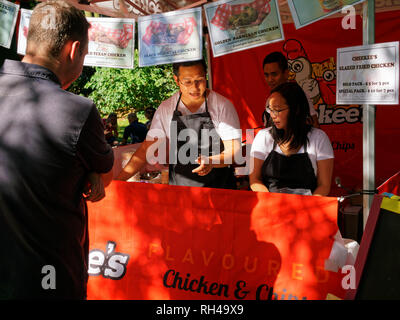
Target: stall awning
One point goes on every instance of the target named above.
(136, 8)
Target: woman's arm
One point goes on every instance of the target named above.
(255, 178)
(324, 177)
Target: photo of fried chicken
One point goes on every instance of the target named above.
(230, 16)
(246, 17)
(100, 36)
(117, 37)
(160, 33)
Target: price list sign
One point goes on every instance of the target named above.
(368, 74)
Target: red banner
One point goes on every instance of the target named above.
(154, 241)
(311, 52)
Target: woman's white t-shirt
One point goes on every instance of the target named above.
(319, 146)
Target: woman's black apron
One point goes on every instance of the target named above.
(180, 172)
(295, 171)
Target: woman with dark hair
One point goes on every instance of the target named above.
(291, 156)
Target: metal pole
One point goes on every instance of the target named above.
(368, 13)
(208, 50)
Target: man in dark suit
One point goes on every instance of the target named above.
(52, 152)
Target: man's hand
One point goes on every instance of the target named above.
(94, 189)
(204, 168)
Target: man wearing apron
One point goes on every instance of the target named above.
(202, 129)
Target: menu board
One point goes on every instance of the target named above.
(170, 37)
(111, 43)
(368, 74)
(8, 18)
(236, 25)
(305, 12)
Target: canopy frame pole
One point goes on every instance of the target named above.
(208, 50)
(369, 116)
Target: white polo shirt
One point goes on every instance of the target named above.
(223, 115)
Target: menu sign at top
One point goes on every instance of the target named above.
(237, 25)
(305, 12)
(368, 74)
(170, 37)
(8, 18)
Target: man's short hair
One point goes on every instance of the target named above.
(150, 111)
(277, 57)
(53, 23)
(132, 117)
(175, 66)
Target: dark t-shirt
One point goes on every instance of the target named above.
(50, 140)
(136, 131)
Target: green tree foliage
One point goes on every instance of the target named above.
(79, 85)
(120, 90)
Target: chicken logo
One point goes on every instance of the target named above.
(301, 69)
(318, 80)
(325, 73)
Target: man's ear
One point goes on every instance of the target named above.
(176, 80)
(286, 73)
(74, 50)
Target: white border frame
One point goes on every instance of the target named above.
(296, 19)
(24, 12)
(162, 16)
(7, 44)
(217, 3)
(343, 101)
(114, 20)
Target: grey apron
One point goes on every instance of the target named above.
(187, 145)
